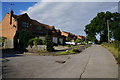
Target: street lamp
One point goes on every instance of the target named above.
(108, 30)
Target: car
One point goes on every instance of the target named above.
(91, 42)
(70, 43)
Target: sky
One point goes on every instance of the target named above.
(66, 16)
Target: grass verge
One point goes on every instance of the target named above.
(113, 48)
(67, 52)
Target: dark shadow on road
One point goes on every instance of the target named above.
(10, 53)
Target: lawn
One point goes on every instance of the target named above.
(67, 52)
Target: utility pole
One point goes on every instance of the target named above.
(108, 30)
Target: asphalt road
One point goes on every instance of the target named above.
(93, 62)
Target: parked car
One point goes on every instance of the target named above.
(70, 43)
(91, 42)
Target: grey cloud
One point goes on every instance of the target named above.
(69, 16)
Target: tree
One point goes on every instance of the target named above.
(49, 43)
(21, 39)
(99, 26)
(78, 41)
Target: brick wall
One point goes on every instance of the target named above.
(8, 30)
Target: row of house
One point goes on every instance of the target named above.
(72, 37)
(12, 23)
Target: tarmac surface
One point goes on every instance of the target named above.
(93, 62)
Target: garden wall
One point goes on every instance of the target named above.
(37, 48)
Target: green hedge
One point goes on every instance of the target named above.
(35, 41)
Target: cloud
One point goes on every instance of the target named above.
(59, 0)
(69, 16)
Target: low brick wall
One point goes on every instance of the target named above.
(7, 44)
(37, 48)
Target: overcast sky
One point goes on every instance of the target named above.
(69, 16)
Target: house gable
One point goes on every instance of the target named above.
(8, 29)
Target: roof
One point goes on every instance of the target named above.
(66, 32)
(58, 30)
(19, 16)
(35, 22)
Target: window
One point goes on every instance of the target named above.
(25, 24)
(39, 28)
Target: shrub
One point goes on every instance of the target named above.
(2, 41)
(49, 43)
(75, 50)
(68, 45)
(55, 44)
(67, 51)
(21, 39)
(35, 41)
(78, 41)
(30, 42)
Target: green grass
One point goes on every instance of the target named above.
(84, 47)
(67, 52)
(73, 46)
(114, 48)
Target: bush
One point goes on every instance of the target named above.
(68, 45)
(21, 39)
(30, 42)
(55, 44)
(49, 43)
(78, 40)
(2, 41)
(35, 41)
(67, 51)
(75, 50)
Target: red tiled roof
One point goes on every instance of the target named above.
(35, 22)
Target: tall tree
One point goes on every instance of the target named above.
(99, 26)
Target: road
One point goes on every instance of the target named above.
(93, 62)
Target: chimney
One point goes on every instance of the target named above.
(11, 14)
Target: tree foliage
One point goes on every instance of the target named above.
(49, 43)
(78, 40)
(21, 39)
(35, 41)
(99, 26)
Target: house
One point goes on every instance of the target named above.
(68, 35)
(12, 23)
(57, 37)
(81, 37)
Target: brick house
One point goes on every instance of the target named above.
(68, 35)
(81, 37)
(12, 23)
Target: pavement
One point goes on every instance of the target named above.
(93, 62)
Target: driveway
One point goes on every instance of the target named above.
(93, 62)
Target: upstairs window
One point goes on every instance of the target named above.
(25, 24)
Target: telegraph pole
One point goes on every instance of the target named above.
(108, 30)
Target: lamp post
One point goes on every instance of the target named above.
(108, 30)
